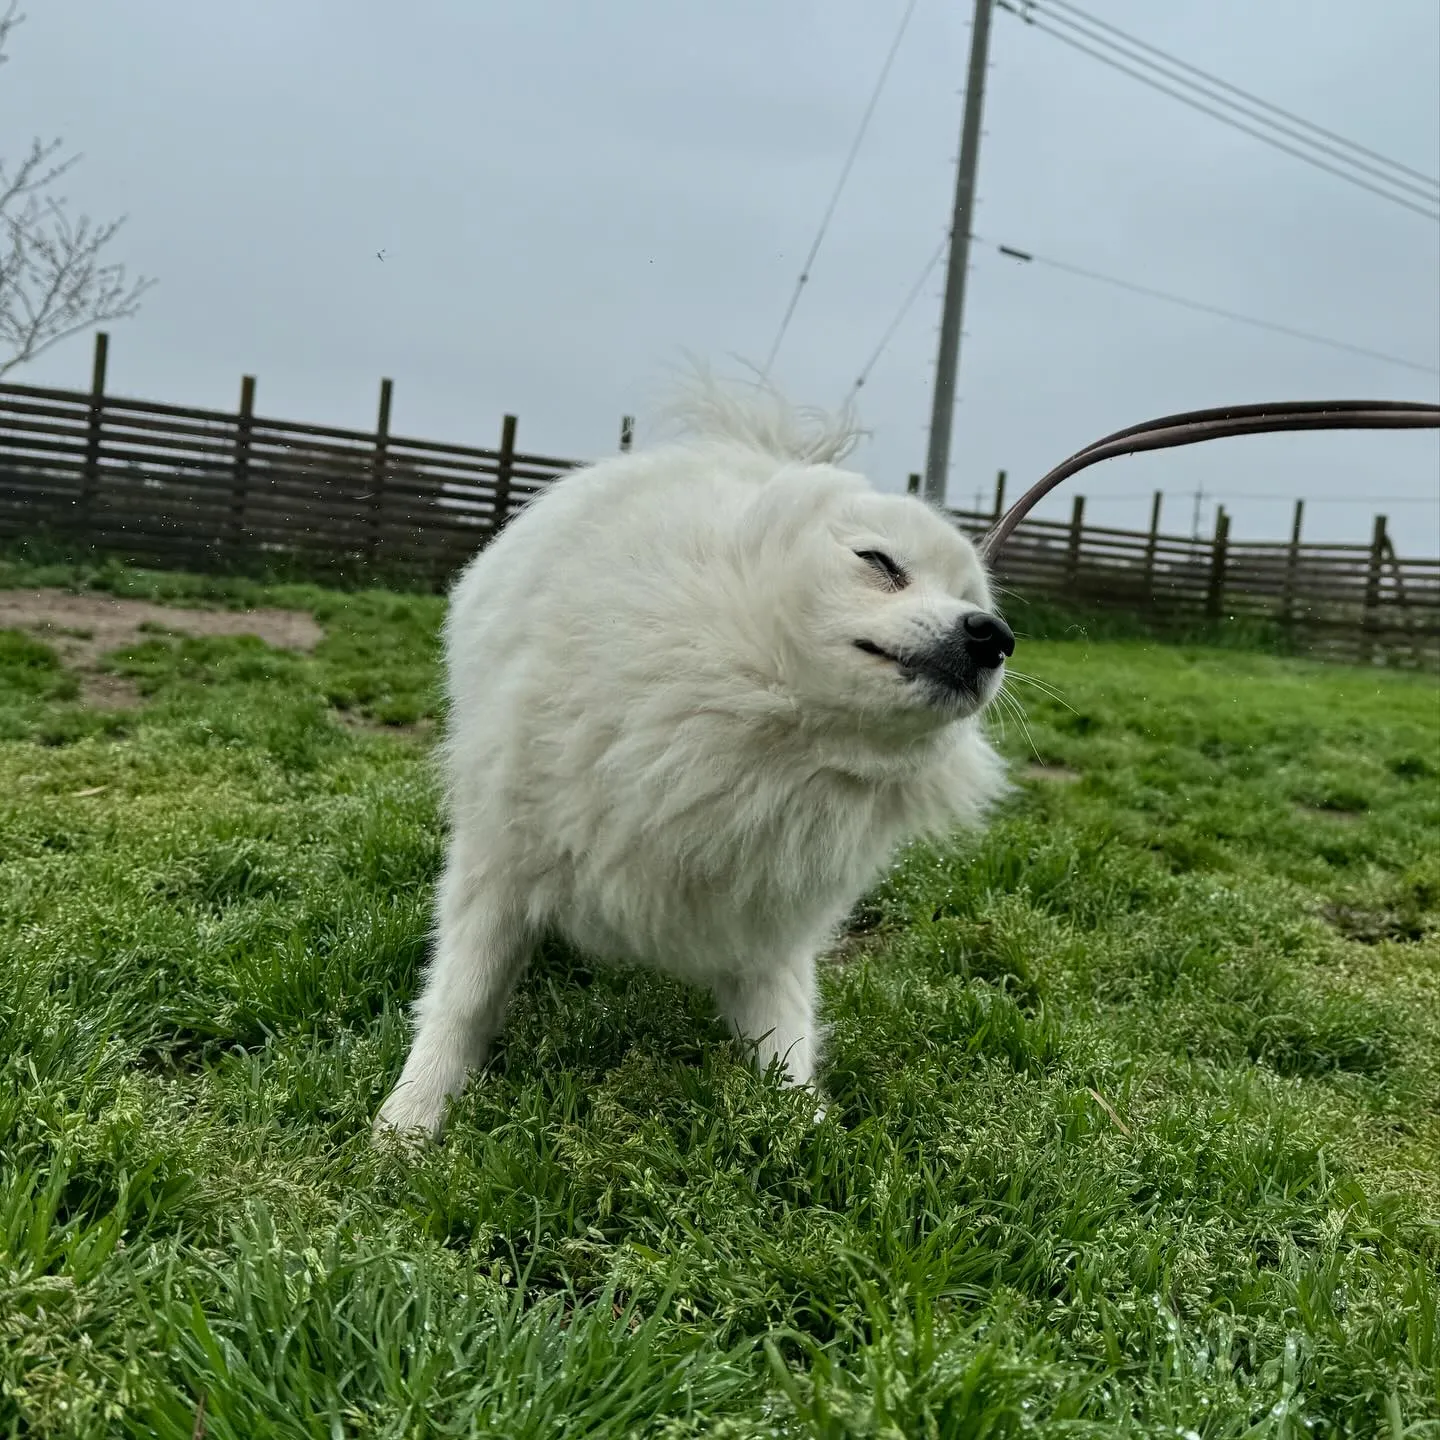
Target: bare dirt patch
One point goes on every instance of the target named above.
(1372, 925)
(363, 724)
(1332, 813)
(109, 692)
(1054, 774)
(84, 627)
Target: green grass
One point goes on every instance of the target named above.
(1135, 1120)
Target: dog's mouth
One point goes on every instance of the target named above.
(949, 680)
(871, 648)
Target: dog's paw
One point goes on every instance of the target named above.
(401, 1144)
(405, 1124)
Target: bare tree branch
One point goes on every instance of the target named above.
(54, 282)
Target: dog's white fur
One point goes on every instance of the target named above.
(663, 742)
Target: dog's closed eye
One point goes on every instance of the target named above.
(893, 574)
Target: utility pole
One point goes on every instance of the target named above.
(937, 459)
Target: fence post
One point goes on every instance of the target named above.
(240, 480)
(627, 432)
(378, 468)
(504, 469)
(1077, 533)
(1152, 543)
(1397, 572)
(999, 493)
(1378, 541)
(1215, 597)
(90, 479)
(1402, 602)
(912, 485)
(1292, 566)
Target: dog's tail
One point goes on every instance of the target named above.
(757, 416)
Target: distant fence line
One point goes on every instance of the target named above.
(175, 486)
(1349, 601)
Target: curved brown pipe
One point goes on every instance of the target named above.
(1193, 426)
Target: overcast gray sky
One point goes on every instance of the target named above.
(569, 196)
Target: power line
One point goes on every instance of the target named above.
(1147, 291)
(1208, 309)
(1430, 181)
(1386, 172)
(1288, 499)
(1266, 137)
(1028, 16)
(839, 187)
(898, 319)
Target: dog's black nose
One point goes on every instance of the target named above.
(988, 638)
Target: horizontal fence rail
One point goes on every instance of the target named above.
(1353, 602)
(173, 485)
(206, 489)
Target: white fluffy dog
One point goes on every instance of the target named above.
(698, 696)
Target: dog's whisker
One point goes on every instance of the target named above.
(1044, 690)
(995, 714)
(1003, 706)
(1015, 708)
(1000, 708)
(1019, 674)
(1058, 699)
(1043, 686)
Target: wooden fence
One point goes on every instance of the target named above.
(172, 485)
(207, 489)
(1352, 602)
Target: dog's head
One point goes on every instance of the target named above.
(880, 607)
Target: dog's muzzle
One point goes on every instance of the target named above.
(962, 660)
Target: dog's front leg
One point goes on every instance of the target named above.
(776, 1009)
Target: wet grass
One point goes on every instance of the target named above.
(1136, 1101)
